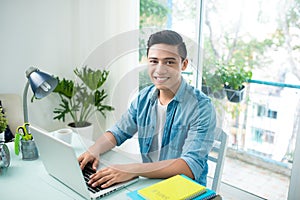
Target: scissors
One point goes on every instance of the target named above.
(23, 131)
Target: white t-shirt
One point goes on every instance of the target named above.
(160, 123)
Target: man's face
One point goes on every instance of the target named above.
(165, 66)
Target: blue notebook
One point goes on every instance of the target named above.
(206, 195)
(134, 195)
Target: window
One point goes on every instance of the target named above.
(272, 114)
(261, 111)
(261, 35)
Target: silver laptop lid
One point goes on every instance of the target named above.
(61, 162)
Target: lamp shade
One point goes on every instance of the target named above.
(41, 83)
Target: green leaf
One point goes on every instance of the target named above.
(93, 79)
(3, 121)
(65, 87)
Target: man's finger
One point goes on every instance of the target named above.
(95, 164)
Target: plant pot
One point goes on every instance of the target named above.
(2, 136)
(85, 133)
(4, 157)
(206, 90)
(219, 94)
(235, 96)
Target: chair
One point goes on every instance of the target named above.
(217, 157)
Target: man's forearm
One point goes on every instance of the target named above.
(103, 144)
(161, 169)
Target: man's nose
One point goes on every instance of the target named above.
(161, 68)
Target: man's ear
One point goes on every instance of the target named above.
(184, 64)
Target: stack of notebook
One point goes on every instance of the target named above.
(174, 188)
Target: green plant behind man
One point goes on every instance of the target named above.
(82, 100)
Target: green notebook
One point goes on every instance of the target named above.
(174, 188)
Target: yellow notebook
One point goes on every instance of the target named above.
(174, 188)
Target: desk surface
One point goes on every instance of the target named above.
(30, 180)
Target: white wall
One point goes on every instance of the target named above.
(57, 36)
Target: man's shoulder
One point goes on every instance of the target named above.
(146, 91)
(191, 92)
(147, 94)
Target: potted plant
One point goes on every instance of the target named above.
(3, 124)
(81, 100)
(233, 78)
(4, 150)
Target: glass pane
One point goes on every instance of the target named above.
(180, 16)
(260, 36)
(257, 39)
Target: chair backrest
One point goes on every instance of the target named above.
(217, 156)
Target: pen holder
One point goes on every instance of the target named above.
(29, 150)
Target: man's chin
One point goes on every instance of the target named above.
(162, 87)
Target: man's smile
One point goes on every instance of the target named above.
(161, 79)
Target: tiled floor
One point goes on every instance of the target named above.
(256, 180)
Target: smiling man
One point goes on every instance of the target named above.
(175, 122)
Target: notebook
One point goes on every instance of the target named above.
(174, 188)
(208, 195)
(60, 162)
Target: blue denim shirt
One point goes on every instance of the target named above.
(188, 131)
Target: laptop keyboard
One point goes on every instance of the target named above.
(87, 172)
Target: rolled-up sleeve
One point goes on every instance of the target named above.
(199, 140)
(126, 127)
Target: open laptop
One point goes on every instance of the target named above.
(60, 161)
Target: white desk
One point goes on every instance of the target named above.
(30, 180)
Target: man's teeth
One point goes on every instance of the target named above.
(161, 79)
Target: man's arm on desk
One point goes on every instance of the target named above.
(103, 144)
(119, 173)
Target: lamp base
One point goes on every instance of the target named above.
(29, 150)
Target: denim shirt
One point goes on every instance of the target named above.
(188, 131)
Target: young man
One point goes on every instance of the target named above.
(175, 122)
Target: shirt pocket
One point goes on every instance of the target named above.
(177, 138)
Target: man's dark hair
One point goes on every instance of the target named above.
(168, 37)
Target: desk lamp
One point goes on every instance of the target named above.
(41, 84)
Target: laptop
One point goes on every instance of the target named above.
(60, 161)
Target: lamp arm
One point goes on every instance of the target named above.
(25, 108)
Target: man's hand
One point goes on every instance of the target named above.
(87, 157)
(110, 175)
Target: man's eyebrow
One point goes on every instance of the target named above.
(152, 58)
(168, 58)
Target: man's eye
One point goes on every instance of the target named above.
(170, 62)
(153, 61)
